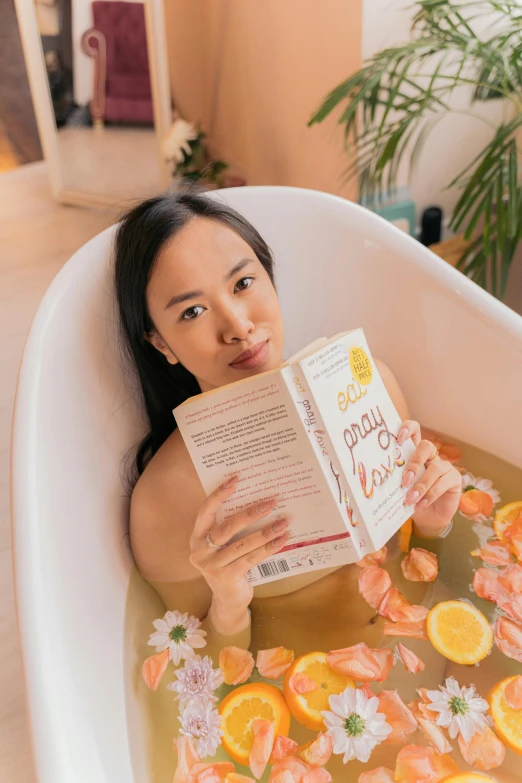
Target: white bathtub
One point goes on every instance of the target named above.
(456, 351)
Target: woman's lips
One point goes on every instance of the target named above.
(259, 358)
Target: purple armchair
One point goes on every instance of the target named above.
(118, 44)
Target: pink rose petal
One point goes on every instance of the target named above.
(302, 683)
(261, 750)
(361, 663)
(486, 585)
(283, 748)
(412, 662)
(419, 764)
(434, 735)
(379, 775)
(398, 609)
(213, 772)
(483, 751)
(508, 638)
(398, 716)
(317, 751)
(273, 663)
(187, 757)
(412, 630)
(373, 558)
(154, 668)
(511, 578)
(236, 664)
(373, 584)
(419, 565)
(513, 693)
(495, 553)
(289, 770)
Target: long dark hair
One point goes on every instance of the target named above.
(140, 236)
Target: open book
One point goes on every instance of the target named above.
(320, 433)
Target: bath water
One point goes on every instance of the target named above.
(152, 717)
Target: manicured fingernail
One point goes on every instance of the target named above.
(407, 479)
(403, 434)
(280, 540)
(411, 499)
(422, 504)
(266, 505)
(229, 482)
(279, 525)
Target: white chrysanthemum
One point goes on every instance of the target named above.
(180, 633)
(176, 143)
(460, 710)
(196, 681)
(469, 481)
(203, 724)
(354, 724)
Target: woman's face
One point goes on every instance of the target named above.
(211, 300)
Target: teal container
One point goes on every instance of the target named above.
(396, 207)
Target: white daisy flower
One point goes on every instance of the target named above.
(469, 481)
(176, 143)
(354, 724)
(203, 724)
(180, 633)
(197, 681)
(460, 710)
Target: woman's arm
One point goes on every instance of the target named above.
(195, 597)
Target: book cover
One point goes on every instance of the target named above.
(290, 433)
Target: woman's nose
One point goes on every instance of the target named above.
(236, 325)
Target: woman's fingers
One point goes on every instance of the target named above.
(241, 566)
(265, 538)
(424, 451)
(207, 512)
(409, 429)
(440, 487)
(222, 532)
(424, 488)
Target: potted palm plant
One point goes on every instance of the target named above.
(393, 102)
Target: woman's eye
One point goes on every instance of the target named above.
(185, 316)
(243, 280)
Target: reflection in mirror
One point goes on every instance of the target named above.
(97, 65)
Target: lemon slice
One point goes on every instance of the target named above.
(307, 707)
(241, 707)
(459, 632)
(507, 721)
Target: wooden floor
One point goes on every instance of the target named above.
(37, 236)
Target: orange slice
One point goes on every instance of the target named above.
(468, 777)
(240, 708)
(459, 632)
(307, 707)
(505, 517)
(507, 721)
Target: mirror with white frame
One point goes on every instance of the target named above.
(100, 85)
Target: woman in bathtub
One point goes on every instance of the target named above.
(198, 307)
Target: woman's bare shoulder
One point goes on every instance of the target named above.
(164, 505)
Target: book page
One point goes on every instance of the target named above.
(363, 423)
(254, 428)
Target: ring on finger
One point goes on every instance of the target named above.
(433, 456)
(211, 543)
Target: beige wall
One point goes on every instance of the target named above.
(253, 71)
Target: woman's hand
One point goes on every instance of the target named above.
(435, 496)
(225, 568)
